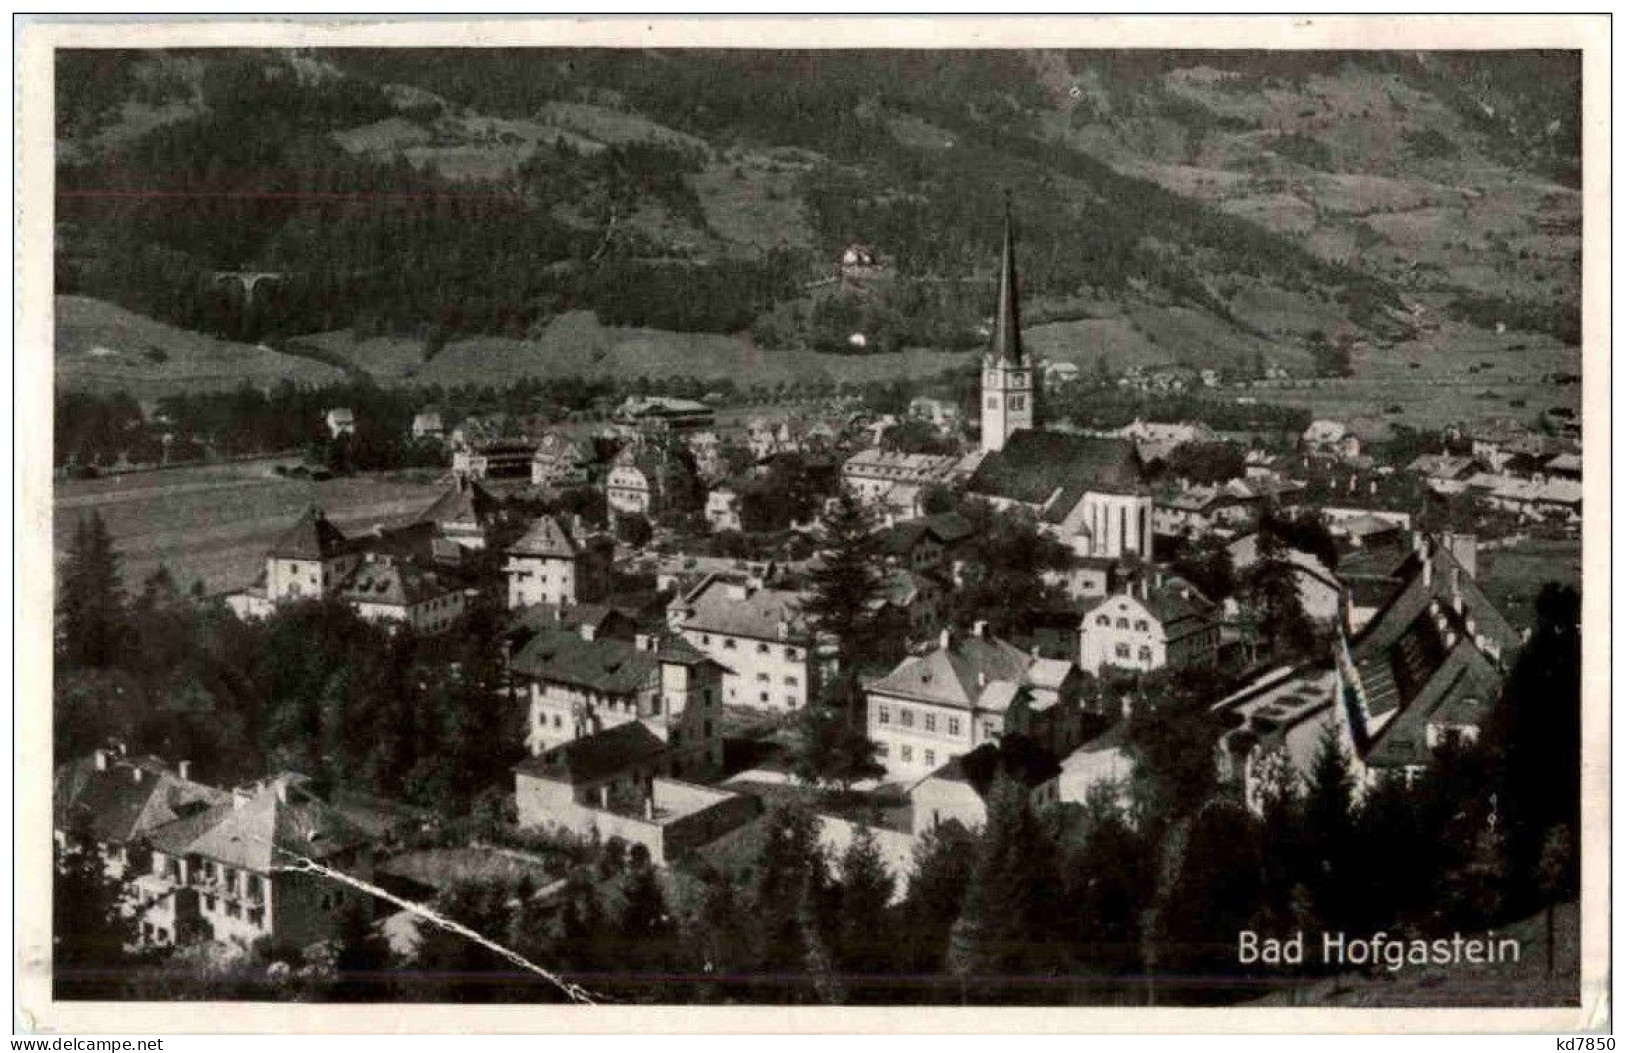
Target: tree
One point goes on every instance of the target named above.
(1329, 824)
(787, 894)
(90, 599)
(1005, 927)
(1216, 892)
(944, 857)
(633, 529)
(844, 585)
(865, 940)
(829, 741)
(91, 924)
(1272, 592)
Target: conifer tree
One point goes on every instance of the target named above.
(90, 599)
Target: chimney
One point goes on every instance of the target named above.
(649, 805)
(184, 770)
(101, 760)
(981, 678)
(1455, 591)
(137, 773)
(947, 639)
(1427, 571)
(979, 630)
(603, 796)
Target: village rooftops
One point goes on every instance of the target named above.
(900, 467)
(946, 528)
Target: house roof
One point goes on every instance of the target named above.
(127, 798)
(312, 537)
(393, 582)
(596, 757)
(464, 502)
(742, 609)
(966, 674)
(946, 528)
(1036, 465)
(545, 538)
(607, 665)
(247, 830)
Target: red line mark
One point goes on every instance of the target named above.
(285, 195)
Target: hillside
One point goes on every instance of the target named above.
(1207, 208)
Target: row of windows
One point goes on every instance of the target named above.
(906, 754)
(766, 678)
(1123, 652)
(1140, 624)
(905, 718)
(730, 643)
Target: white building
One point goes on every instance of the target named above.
(541, 566)
(758, 635)
(1169, 625)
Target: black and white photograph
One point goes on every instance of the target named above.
(918, 527)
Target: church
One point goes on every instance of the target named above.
(1089, 492)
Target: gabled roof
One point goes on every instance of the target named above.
(1035, 465)
(464, 502)
(963, 675)
(251, 826)
(546, 538)
(598, 756)
(735, 609)
(393, 582)
(127, 798)
(946, 528)
(608, 666)
(312, 537)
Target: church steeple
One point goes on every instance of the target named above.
(1007, 376)
(1006, 343)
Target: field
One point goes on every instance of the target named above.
(212, 524)
(1512, 577)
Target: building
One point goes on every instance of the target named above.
(1008, 393)
(958, 790)
(225, 874)
(505, 457)
(723, 508)
(549, 565)
(1199, 510)
(1329, 437)
(648, 479)
(1275, 727)
(971, 689)
(758, 635)
(1168, 624)
(580, 685)
(875, 474)
(1104, 764)
(1088, 492)
(307, 561)
(928, 544)
(397, 592)
(941, 414)
(910, 603)
(1173, 434)
(661, 413)
(340, 421)
(464, 514)
(428, 425)
(1427, 666)
(560, 463)
(610, 785)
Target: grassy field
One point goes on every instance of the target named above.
(1512, 577)
(102, 347)
(212, 524)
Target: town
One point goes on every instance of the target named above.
(972, 700)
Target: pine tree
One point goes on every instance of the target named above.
(843, 587)
(1329, 824)
(865, 938)
(90, 927)
(1273, 592)
(90, 599)
(1004, 929)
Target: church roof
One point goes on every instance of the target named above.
(1005, 344)
(313, 537)
(1034, 465)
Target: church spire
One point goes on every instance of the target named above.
(1006, 343)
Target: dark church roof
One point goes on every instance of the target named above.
(1005, 344)
(1035, 464)
(313, 537)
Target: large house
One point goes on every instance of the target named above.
(464, 514)
(393, 591)
(660, 412)
(968, 690)
(1427, 666)
(548, 564)
(1169, 624)
(1275, 726)
(646, 479)
(926, 544)
(580, 685)
(758, 634)
(559, 463)
(895, 479)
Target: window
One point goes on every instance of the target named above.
(705, 638)
(908, 753)
(1140, 625)
(762, 648)
(883, 749)
(930, 722)
(883, 715)
(1145, 654)
(764, 696)
(792, 654)
(906, 717)
(931, 758)
(1122, 623)
(1103, 620)
(654, 705)
(208, 903)
(729, 643)
(791, 681)
(1122, 650)
(763, 678)
(989, 729)
(1017, 401)
(953, 725)
(992, 402)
